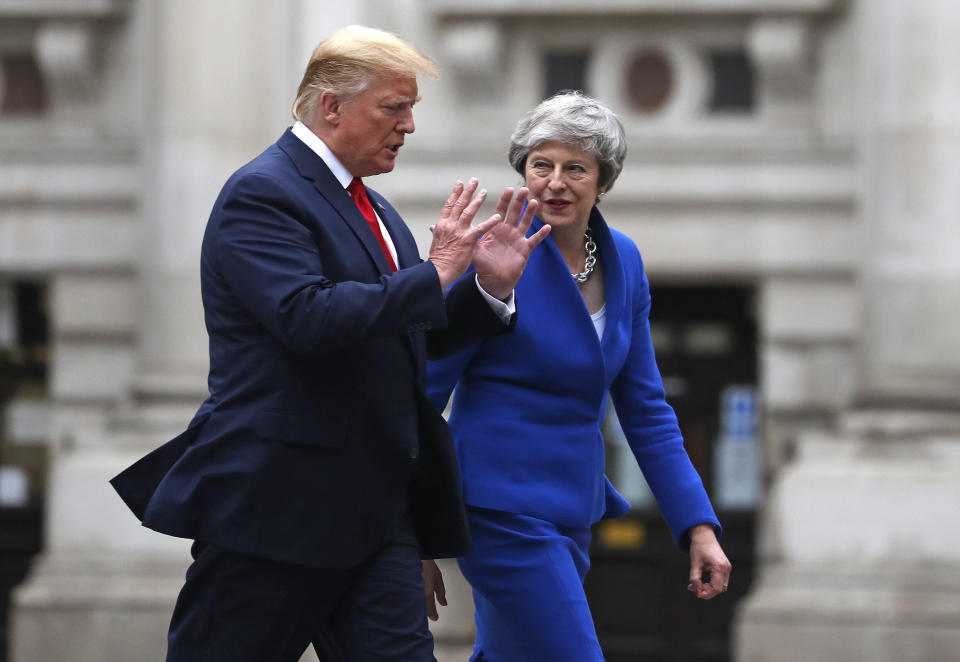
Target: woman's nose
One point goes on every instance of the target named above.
(556, 180)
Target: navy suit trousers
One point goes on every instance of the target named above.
(240, 608)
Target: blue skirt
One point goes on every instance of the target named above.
(527, 578)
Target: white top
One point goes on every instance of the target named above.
(600, 320)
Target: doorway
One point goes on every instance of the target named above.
(706, 343)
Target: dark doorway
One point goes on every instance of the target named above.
(706, 343)
(24, 342)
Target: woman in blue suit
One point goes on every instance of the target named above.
(528, 407)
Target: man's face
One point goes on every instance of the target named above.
(371, 127)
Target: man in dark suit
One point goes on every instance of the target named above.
(316, 474)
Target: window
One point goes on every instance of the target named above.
(565, 70)
(733, 82)
(23, 92)
(649, 81)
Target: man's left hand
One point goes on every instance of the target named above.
(433, 588)
(503, 250)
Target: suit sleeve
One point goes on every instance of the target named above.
(470, 317)
(270, 261)
(651, 428)
(443, 375)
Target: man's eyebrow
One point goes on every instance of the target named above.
(410, 100)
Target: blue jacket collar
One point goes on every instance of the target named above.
(613, 274)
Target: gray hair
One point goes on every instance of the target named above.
(576, 119)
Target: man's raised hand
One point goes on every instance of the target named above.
(455, 238)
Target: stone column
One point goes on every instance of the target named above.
(216, 89)
(862, 542)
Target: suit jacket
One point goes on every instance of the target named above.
(317, 430)
(527, 410)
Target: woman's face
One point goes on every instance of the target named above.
(564, 179)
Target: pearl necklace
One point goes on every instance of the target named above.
(590, 247)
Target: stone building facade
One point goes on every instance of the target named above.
(804, 150)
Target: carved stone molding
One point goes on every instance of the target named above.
(635, 7)
(59, 9)
(780, 48)
(62, 36)
(65, 53)
(473, 50)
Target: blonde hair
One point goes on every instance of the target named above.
(348, 59)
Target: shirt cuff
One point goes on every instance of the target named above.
(503, 309)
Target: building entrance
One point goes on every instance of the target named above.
(706, 344)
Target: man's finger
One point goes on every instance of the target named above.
(441, 592)
(451, 200)
(432, 608)
(465, 194)
(471, 210)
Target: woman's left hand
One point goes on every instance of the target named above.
(433, 587)
(503, 250)
(706, 557)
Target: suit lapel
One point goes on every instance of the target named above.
(552, 268)
(313, 168)
(408, 255)
(613, 277)
(561, 298)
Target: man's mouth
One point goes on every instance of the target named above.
(395, 148)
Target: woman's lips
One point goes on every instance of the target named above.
(557, 204)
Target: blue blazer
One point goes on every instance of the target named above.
(317, 429)
(528, 407)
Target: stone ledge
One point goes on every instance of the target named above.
(28, 9)
(885, 612)
(635, 7)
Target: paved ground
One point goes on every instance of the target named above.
(453, 653)
(443, 653)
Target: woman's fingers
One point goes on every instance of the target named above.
(528, 213)
(486, 226)
(539, 236)
(516, 207)
(504, 203)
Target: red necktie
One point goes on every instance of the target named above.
(359, 195)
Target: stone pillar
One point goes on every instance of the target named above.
(863, 550)
(216, 91)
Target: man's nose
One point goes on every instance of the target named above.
(406, 124)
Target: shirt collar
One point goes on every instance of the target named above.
(311, 140)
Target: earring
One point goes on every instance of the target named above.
(599, 197)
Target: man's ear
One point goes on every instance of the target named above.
(330, 107)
